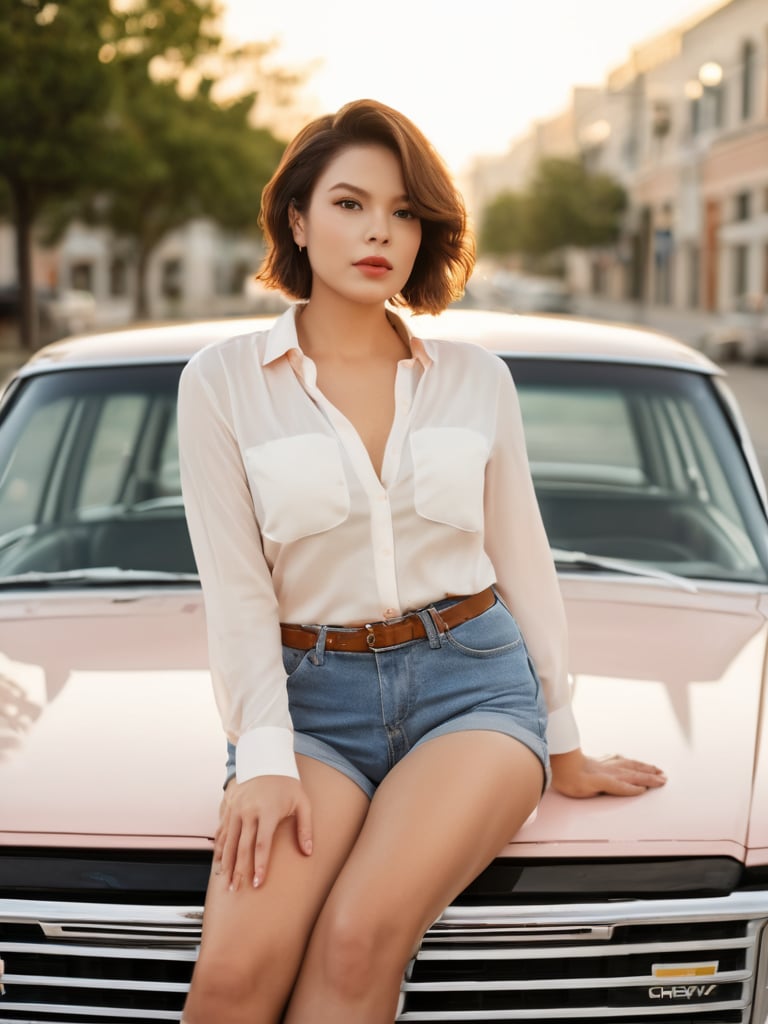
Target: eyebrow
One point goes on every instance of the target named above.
(347, 187)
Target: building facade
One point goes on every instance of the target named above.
(683, 125)
(197, 271)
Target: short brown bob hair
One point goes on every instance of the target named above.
(446, 255)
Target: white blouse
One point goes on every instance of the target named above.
(290, 523)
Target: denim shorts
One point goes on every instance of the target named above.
(363, 712)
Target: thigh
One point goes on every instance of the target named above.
(267, 928)
(438, 819)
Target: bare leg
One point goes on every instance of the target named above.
(436, 821)
(254, 939)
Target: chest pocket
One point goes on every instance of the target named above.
(301, 484)
(449, 474)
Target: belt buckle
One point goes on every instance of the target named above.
(370, 636)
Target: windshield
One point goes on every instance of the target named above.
(89, 475)
(631, 465)
(641, 464)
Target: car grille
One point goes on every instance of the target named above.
(97, 963)
(696, 960)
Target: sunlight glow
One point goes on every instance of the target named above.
(475, 77)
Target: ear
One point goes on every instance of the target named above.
(296, 221)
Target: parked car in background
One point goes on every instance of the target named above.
(741, 333)
(515, 292)
(60, 311)
(112, 756)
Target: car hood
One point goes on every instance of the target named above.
(108, 728)
(676, 679)
(109, 734)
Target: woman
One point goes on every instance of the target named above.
(365, 528)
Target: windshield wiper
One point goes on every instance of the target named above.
(582, 560)
(100, 576)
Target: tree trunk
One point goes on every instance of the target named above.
(141, 301)
(23, 221)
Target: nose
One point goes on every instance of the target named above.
(378, 228)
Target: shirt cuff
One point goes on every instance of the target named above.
(267, 750)
(562, 730)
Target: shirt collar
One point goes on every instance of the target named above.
(283, 339)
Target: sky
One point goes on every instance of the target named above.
(473, 74)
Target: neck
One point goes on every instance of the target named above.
(330, 326)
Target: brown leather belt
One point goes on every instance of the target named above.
(378, 635)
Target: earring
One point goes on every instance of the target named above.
(301, 247)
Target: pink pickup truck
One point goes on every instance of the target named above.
(112, 755)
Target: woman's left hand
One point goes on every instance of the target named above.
(576, 775)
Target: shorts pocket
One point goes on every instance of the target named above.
(300, 484)
(449, 475)
(293, 659)
(489, 635)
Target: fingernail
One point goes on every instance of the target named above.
(307, 846)
(256, 881)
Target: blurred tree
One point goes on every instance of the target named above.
(564, 204)
(108, 112)
(174, 158)
(568, 205)
(503, 225)
(53, 97)
(173, 152)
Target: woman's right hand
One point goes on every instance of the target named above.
(250, 814)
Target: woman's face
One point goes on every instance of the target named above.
(358, 228)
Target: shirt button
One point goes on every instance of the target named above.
(390, 613)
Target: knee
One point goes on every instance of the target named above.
(226, 991)
(359, 952)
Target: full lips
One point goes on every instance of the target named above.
(374, 266)
(373, 269)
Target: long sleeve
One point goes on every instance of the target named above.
(245, 652)
(517, 545)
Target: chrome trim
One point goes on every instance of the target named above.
(760, 994)
(104, 952)
(116, 984)
(447, 932)
(574, 932)
(122, 915)
(615, 981)
(83, 1011)
(575, 952)
(123, 933)
(590, 1013)
(736, 906)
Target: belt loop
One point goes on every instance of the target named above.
(425, 614)
(317, 657)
